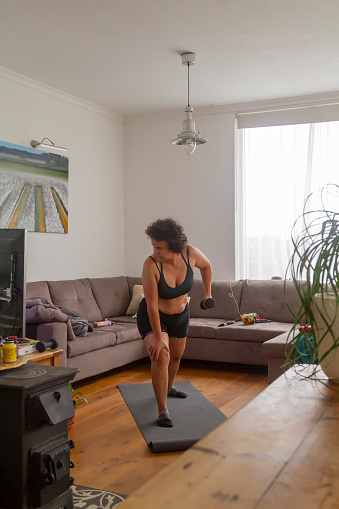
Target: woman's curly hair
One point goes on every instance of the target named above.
(169, 231)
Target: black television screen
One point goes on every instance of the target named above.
(12, 282)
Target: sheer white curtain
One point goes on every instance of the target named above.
(278, 167)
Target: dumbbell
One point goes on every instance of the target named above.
(208, 303)
(43, 345)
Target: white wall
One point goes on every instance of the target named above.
(123, 176)
(94, 246)
(197, 190)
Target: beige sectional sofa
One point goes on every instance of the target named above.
(96, 299)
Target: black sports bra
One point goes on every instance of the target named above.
(168, 292)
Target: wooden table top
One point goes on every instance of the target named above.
(43, 355)
(280, 451)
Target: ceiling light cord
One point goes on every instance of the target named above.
(189, 138)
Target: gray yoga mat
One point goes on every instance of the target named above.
(193, 417)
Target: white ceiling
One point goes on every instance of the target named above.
(124, 55)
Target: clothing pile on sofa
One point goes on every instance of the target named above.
(39, 310)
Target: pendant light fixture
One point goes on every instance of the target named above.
(189, 138)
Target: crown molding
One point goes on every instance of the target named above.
(59, 94)
(249, 107)
(235, 108)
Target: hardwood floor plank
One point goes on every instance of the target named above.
(129, 483)
(237, 403)
(114, 464)
(110, 452)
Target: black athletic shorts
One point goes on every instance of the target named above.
(176, 326)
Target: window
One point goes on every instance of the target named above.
(278, 167)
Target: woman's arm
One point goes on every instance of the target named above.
(150, 287)
(204, 265)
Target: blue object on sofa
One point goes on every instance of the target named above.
(306, 349)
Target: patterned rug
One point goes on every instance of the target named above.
(89, 498)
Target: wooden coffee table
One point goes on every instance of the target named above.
(280, 451)
(48, 358)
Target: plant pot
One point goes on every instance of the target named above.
(326, 312)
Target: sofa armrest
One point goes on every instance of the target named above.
(54, 330)
(275, 351)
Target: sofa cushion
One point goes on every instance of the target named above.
(258, 332)
(76, 295)
(124, 319)
(225, 307)
(203, 328)
(126, 332)
(38, 289)
(266, 298)
(111, 294)
(101, 338)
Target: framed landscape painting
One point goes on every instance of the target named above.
(33, 189)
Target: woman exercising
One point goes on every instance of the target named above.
(163, 315)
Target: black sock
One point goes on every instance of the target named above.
(175, 393)
(164, 419)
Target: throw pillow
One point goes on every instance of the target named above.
(134, 304)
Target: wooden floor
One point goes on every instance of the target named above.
(110, 452)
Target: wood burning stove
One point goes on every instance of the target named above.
(35, 404)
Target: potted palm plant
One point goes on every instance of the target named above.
(314, 268)
(77, 397)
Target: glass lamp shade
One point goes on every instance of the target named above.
(189, 146)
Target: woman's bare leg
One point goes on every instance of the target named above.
(159, 373)
(177, 347)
